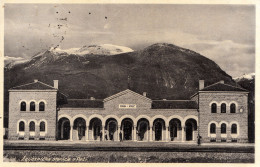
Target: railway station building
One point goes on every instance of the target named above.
(216, 113)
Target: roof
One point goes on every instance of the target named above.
(37, 85)
(125, 92)
(83, 103)
(222, 87)
(174, 104)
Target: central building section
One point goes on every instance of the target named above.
(128, 116)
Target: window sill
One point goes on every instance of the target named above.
(213, 135)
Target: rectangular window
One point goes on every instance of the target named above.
(234, 140)
(212, 140)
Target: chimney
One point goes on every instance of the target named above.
(222, 81)
(56, 84)
(92, 98)
(35, 80)
(144, 94)
(201, 84)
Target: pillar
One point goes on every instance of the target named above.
(118, 132)
(229, 138)
(147, 134)
(183, 134)
(86, 133)
(134, 133)
(151, 134)
(103, 133)
(167, 133)
(71, 130)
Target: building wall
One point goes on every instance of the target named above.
(205, 99)
(49, 114)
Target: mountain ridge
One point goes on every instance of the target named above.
(162, 70)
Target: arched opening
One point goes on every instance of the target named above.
(232, 108)
(42, 126)
(96, 126)
(233, 129)
(223, 128)
(127, 127)
(80, 127)
(158, 125)
(142, 129)
(111, 132)
(175, 128)
(41, 106)
(63, 129)
(23, 106)
(214, 108)
(32, 126)
(223, 108)
(32, 106)
(21, 126)
(213, 128)
(190, 128)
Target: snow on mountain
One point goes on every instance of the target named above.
(104, 49)
(245, 77)
(57, 53)
(11, 61)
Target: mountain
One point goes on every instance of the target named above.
(12, 61)
(104, 49)
(162, 70)
(249, 77)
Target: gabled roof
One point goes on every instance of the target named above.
(174, 104)
(223, 87)
(125, 92)
(83, 103)
(37, 85)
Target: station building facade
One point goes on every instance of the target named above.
(216, 113)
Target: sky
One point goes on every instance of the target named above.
(223, 33)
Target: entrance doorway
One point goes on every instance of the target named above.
(63, 129)
(80, 126)
(159, 125)
(96, 127)
(158, 131)
(189, 132)
(112, 127)
(174, 126)
(191, 129)
(127, 129)
(142, 129)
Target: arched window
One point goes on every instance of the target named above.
(21, 126)
(232, 108)
(223, 108)
(234, 129)
(32, 126)
(213, 128)
(41, 106)
(214, 108)
(223, 129)
(32, 106)
(42, 126)
(23, 106)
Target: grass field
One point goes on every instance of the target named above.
(126, 157)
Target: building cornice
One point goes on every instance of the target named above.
(49, 90)
(71, 108)
(243, 92)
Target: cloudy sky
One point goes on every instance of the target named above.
(223, 33)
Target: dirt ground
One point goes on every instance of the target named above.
(126, 157)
